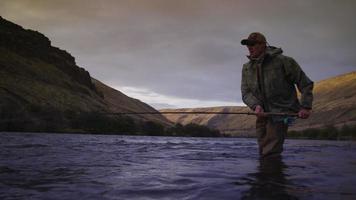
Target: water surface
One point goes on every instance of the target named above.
(65, 166)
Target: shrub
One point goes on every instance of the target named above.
(327, 133)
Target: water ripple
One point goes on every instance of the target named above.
(64, 166)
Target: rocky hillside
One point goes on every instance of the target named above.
(335, 104)
(42, 88)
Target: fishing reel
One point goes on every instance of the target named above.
(289, 120)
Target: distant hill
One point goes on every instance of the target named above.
(334, 104)
(42, 89)
(228, 124)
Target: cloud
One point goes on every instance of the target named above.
(156, 99)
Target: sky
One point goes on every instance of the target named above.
(187, 53)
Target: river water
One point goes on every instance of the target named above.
(66, 166)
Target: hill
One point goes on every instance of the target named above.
(42, 89)
(334, 104)
(241, 125)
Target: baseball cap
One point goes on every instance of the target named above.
(254, 38)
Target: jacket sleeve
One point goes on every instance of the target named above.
(247, 96)
(297, 76)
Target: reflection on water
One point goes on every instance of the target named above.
(270, 181)
(64, 166)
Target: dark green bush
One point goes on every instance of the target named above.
(326, 133)
(193, 130)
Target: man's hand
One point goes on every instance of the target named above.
(259, 111)
(304, 113)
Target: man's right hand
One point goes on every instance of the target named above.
(259, 111)
(304, 113)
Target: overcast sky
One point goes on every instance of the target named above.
(187, 53)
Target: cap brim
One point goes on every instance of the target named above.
(247, 42)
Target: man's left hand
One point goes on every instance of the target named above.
(304, 113)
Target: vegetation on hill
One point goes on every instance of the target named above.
(346, 132)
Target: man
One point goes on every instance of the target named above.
(268, 84)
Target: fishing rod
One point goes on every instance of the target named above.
(202, 113)
(198, 113)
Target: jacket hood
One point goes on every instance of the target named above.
(273, 51)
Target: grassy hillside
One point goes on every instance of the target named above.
(334, 104)
(42, 84)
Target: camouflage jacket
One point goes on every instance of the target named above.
(270, 82)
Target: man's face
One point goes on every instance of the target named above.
(256, 49)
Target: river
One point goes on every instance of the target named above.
(79, 166)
